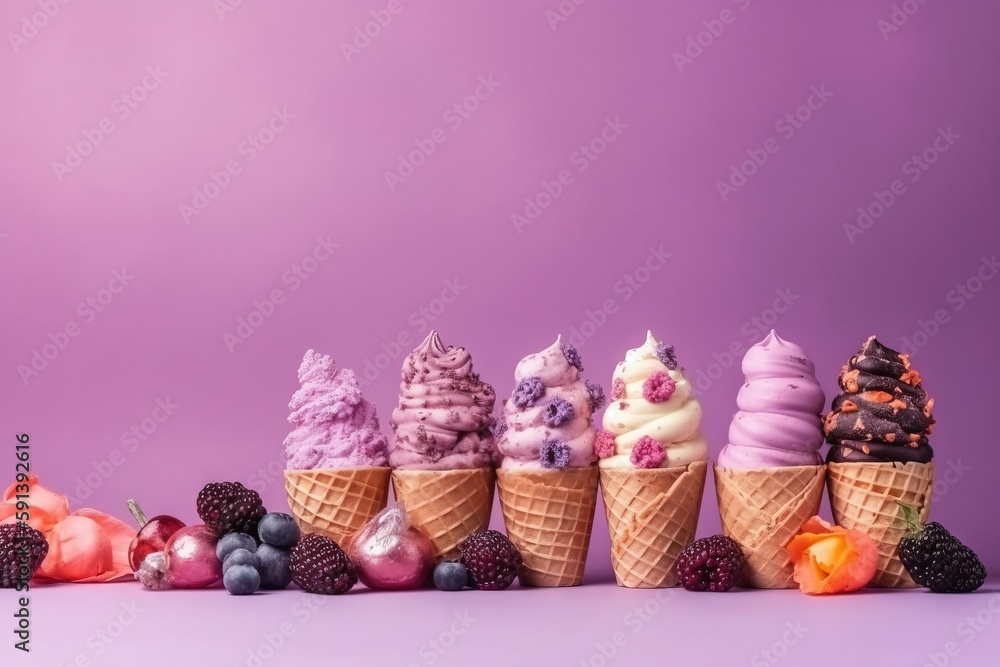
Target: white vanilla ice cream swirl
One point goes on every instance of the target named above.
(672, 423)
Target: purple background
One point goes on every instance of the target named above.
(63, 234)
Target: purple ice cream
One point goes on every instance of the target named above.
(334, 426)
(444, 415)
(780, 403)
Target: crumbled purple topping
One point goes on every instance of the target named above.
(596, 394)
(554, 454)
(557, 412)
(498, 428)
(527, 391)
(666, 355)
(572, 356)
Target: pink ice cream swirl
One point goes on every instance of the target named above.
(547, 420)
(334, 426)
(779, 419)
(444, 415)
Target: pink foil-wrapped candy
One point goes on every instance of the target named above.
(390, 553)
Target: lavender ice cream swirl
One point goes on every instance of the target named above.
(547, 420)
(780, 404)
(444, 414)
(334, 426)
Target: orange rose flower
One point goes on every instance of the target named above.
(86, 546)
(831, 559)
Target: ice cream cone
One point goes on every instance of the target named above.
(549, 515)
(763, 509)
(863, 497)
(652, 516)
(336, 503)
(447, 505)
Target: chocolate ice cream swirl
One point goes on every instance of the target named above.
(883, 414)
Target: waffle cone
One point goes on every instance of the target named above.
(447, 505)
(336, 503)
(548, 515)
(763, 509)
(863, 497)
(652, 517)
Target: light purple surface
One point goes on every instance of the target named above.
(530, 627)
(641, 238)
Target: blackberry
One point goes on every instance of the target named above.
(936, 559)
(22, 550)
(710, 564)
(319, 565)
(230, 507)
(492, 560)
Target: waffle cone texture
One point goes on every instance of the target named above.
(652, 517)
(863, 497)
(336, 503)
(763, 509)
(446, 505)
(549, 515)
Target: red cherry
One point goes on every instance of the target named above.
(152, 537)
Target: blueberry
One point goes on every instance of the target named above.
(450, 576)
(233, 541)
(279, 530)
(241, 557)
(275, 567)
(241, 580)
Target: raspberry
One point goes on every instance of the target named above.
(937, 559)
(319, 565)
(492, 560)
(230, 507)
(647, 453)
(710, 564)
(21, 546)
(658, 387)
(604, 444)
